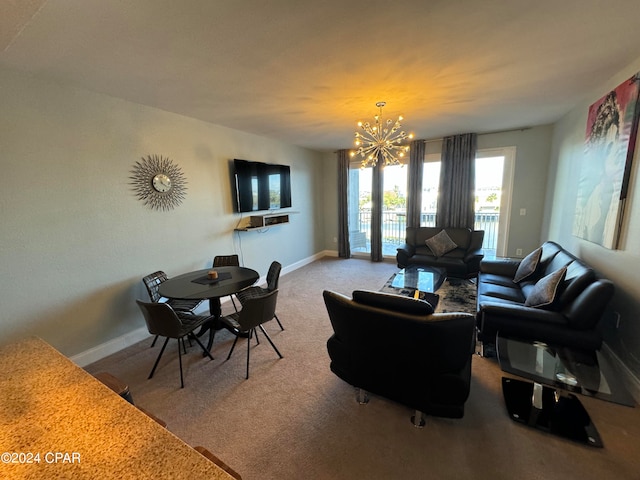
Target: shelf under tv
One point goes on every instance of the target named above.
(263, 221)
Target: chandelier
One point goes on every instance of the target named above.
(382, 140)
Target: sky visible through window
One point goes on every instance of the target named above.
(488, 175)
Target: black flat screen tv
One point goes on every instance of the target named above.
(261, 186)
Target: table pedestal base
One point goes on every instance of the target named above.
(545, 409)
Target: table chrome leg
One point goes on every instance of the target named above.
(417, 419)
(536, 403)
(362, 396)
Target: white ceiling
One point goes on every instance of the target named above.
(305, 72)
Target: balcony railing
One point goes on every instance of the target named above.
(394, 226)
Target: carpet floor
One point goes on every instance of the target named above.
(294, 419)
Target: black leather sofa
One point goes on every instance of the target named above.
(463, 261)
(396, 347)
(572, 319)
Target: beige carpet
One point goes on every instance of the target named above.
(294, 419)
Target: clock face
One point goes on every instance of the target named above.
(158, 182)
(161, 182)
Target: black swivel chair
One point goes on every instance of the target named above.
(162, 320)
(396, 347)
(273, 278)
(226, 261)
(152, 283)
(255, 311)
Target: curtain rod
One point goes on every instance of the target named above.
(521, 129)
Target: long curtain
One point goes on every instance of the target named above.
(377, 197)
(344, 247)
(414, 183)
(456, 195)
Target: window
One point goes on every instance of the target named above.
(359, 208)
(494, 179)
(494, 184)
(430, 185)
(394, 210)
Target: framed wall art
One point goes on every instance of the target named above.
(612, 125)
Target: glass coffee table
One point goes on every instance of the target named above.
(419, 282)
(425, 279)
(547, 401)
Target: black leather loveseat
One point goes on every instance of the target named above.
(567, 314)
(395, 347)
(463, 260)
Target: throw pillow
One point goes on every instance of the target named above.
(544, 291)
(528, 265)
(440, 244)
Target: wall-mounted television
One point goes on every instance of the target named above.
(261, 186)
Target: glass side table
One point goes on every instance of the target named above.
(547, 401)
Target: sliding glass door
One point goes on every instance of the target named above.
(360, 181)
(494, 180)
(430, 185)
(394, 210)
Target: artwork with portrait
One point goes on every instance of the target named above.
(604, 173)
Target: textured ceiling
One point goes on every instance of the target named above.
(305, 72)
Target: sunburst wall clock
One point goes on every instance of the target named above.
(158, 182)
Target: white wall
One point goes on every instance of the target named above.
(622, 266)
(76, 241)
(330, 214)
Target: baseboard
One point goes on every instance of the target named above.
(115, 345)
(631, 381)
(360, 255)
(108, 348)
(306, 261)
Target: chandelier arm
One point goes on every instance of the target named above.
(381, 140)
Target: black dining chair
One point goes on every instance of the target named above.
(119, 387)
(152, 283)
(273, 278)
(163, 321)
(254, 313)
(227, 261)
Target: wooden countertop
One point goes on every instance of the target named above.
(79, 428)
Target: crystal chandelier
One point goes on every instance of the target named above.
(382, 140)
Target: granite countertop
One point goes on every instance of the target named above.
(67, 424)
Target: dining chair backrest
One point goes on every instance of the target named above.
(226, 261)
(161, 319)
(273, 276)
(258, 310)
(152, 282)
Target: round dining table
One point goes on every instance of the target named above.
(197, 285)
